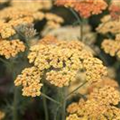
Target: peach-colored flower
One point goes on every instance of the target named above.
(66, 3)
(85, 8)
(114, 11)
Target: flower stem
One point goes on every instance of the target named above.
(49, 98)
(76, 89)
(15, 99)
(63, 103)
(15, 116)
(45, 104)
(80, 23)
(4, 61)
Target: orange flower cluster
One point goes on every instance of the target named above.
(85, 8)
(15, 15)
(109, 25)
(112, 47)
(34, 5)
(62, 66)
(11, 48)
(98, 106)
(115, 9)
(30, 80)
(59, 68)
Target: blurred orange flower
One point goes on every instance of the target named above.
(85, 8)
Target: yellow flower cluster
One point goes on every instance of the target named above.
(73, 117)
(33, 5)
(112, 47)
(11, 48)
(105, 81)
(15, 15)
(2, 115)
(30, 80)
(88, 87)
(59, 62)
(62, 60)
(98, 106)
(109, 25)
(108, 95)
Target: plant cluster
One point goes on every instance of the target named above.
(51, 70)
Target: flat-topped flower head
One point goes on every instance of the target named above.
(107, 95)
(29, 79)
(112, 47)
(101, 104)
(11, 48)
(85, 8)
(61, 61)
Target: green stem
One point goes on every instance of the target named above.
(63, 103)
(76, 89)
(15, 116)
(4, 61)
(56, 112)
(45, 104)
(80, 23)
(49, 98)
(15, 99)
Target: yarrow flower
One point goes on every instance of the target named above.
(98, 106)
(112, 47)
(14, 16)
(108, 95)
(115, 9)
(109, 25)
(61, 67)
(66, 3)
(11, 48)
(30, 81)
(85, 8)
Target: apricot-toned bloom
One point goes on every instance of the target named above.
(62, 66)
(85, 8)
(105, 81)
(100, 105)
(115, 9)
(108, 95)
(32, 5)
(66, 3)
(11, 48)
(6, 31)
(109, 25)
(73, 117)
(112, 47)
(2, 115)
(29, 79)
